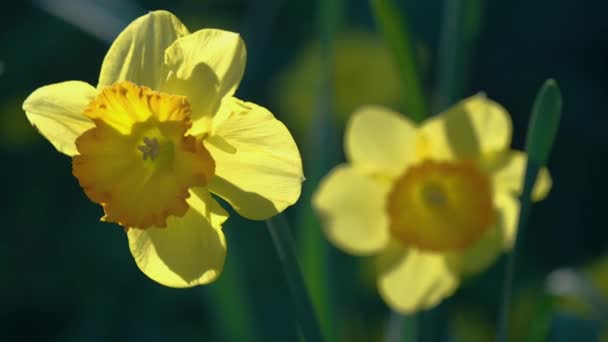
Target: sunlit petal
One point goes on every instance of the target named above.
(473, 126)
(412, 280)
(378, 140)
(352, 208)
(257, 164)
(56, 111)
(205, 66)
(508, 175)
(508, 211)
(138, 52)
(190, 251)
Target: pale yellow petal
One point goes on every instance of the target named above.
(508, 175)
(379, 141)
(190, 251)
(56, 112)
(481, 255)
(473, 126)
(413, 280)
(258, 169)
(205, 66)
(138, 53)
(352, 208)
(501, 237)
(508, 213)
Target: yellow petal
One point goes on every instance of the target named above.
(138, 53)
(508, 212)
(258, 168)
(190, 251)
(56, 111)
(473, 126)
(412, 280)
(378, 140)
(481, 254)
(205, 66)
(352, 208)
(508, 175)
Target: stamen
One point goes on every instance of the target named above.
(150, 148)
(434, 195)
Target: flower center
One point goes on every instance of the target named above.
(138, 162)
(150, 148)
(441, 206)
(433, 195)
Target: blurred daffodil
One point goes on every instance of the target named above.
(160, 132)
(355, 53)
(435, 202)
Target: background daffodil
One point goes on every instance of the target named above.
(355, 53)
(160, 132)
(435, 202)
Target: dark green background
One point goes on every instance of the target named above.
(66, 276)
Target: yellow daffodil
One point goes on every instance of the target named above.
(160, 132)
(435, 202)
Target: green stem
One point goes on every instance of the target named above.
(394, 29)
(232, 306)
(448, 58)
(321, 155)
(283, 242)
(542, 130)
(402, 328)
(530, 177)
(461, 24)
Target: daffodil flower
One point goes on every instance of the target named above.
(434, 202)
(161, 131)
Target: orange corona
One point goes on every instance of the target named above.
(138, 161)
(441, 206)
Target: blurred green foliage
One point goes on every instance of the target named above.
(66, 276)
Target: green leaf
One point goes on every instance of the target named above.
(322, 155)
(305, 313)
(542, 129)
(394, 29)
(231, 306)
(460, 28)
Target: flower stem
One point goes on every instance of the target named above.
(283, 242)
(393, 26)
(231, 305)
(402, 328)
(460, 27)
(319, 157)
(542, 130)
(531, 172)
